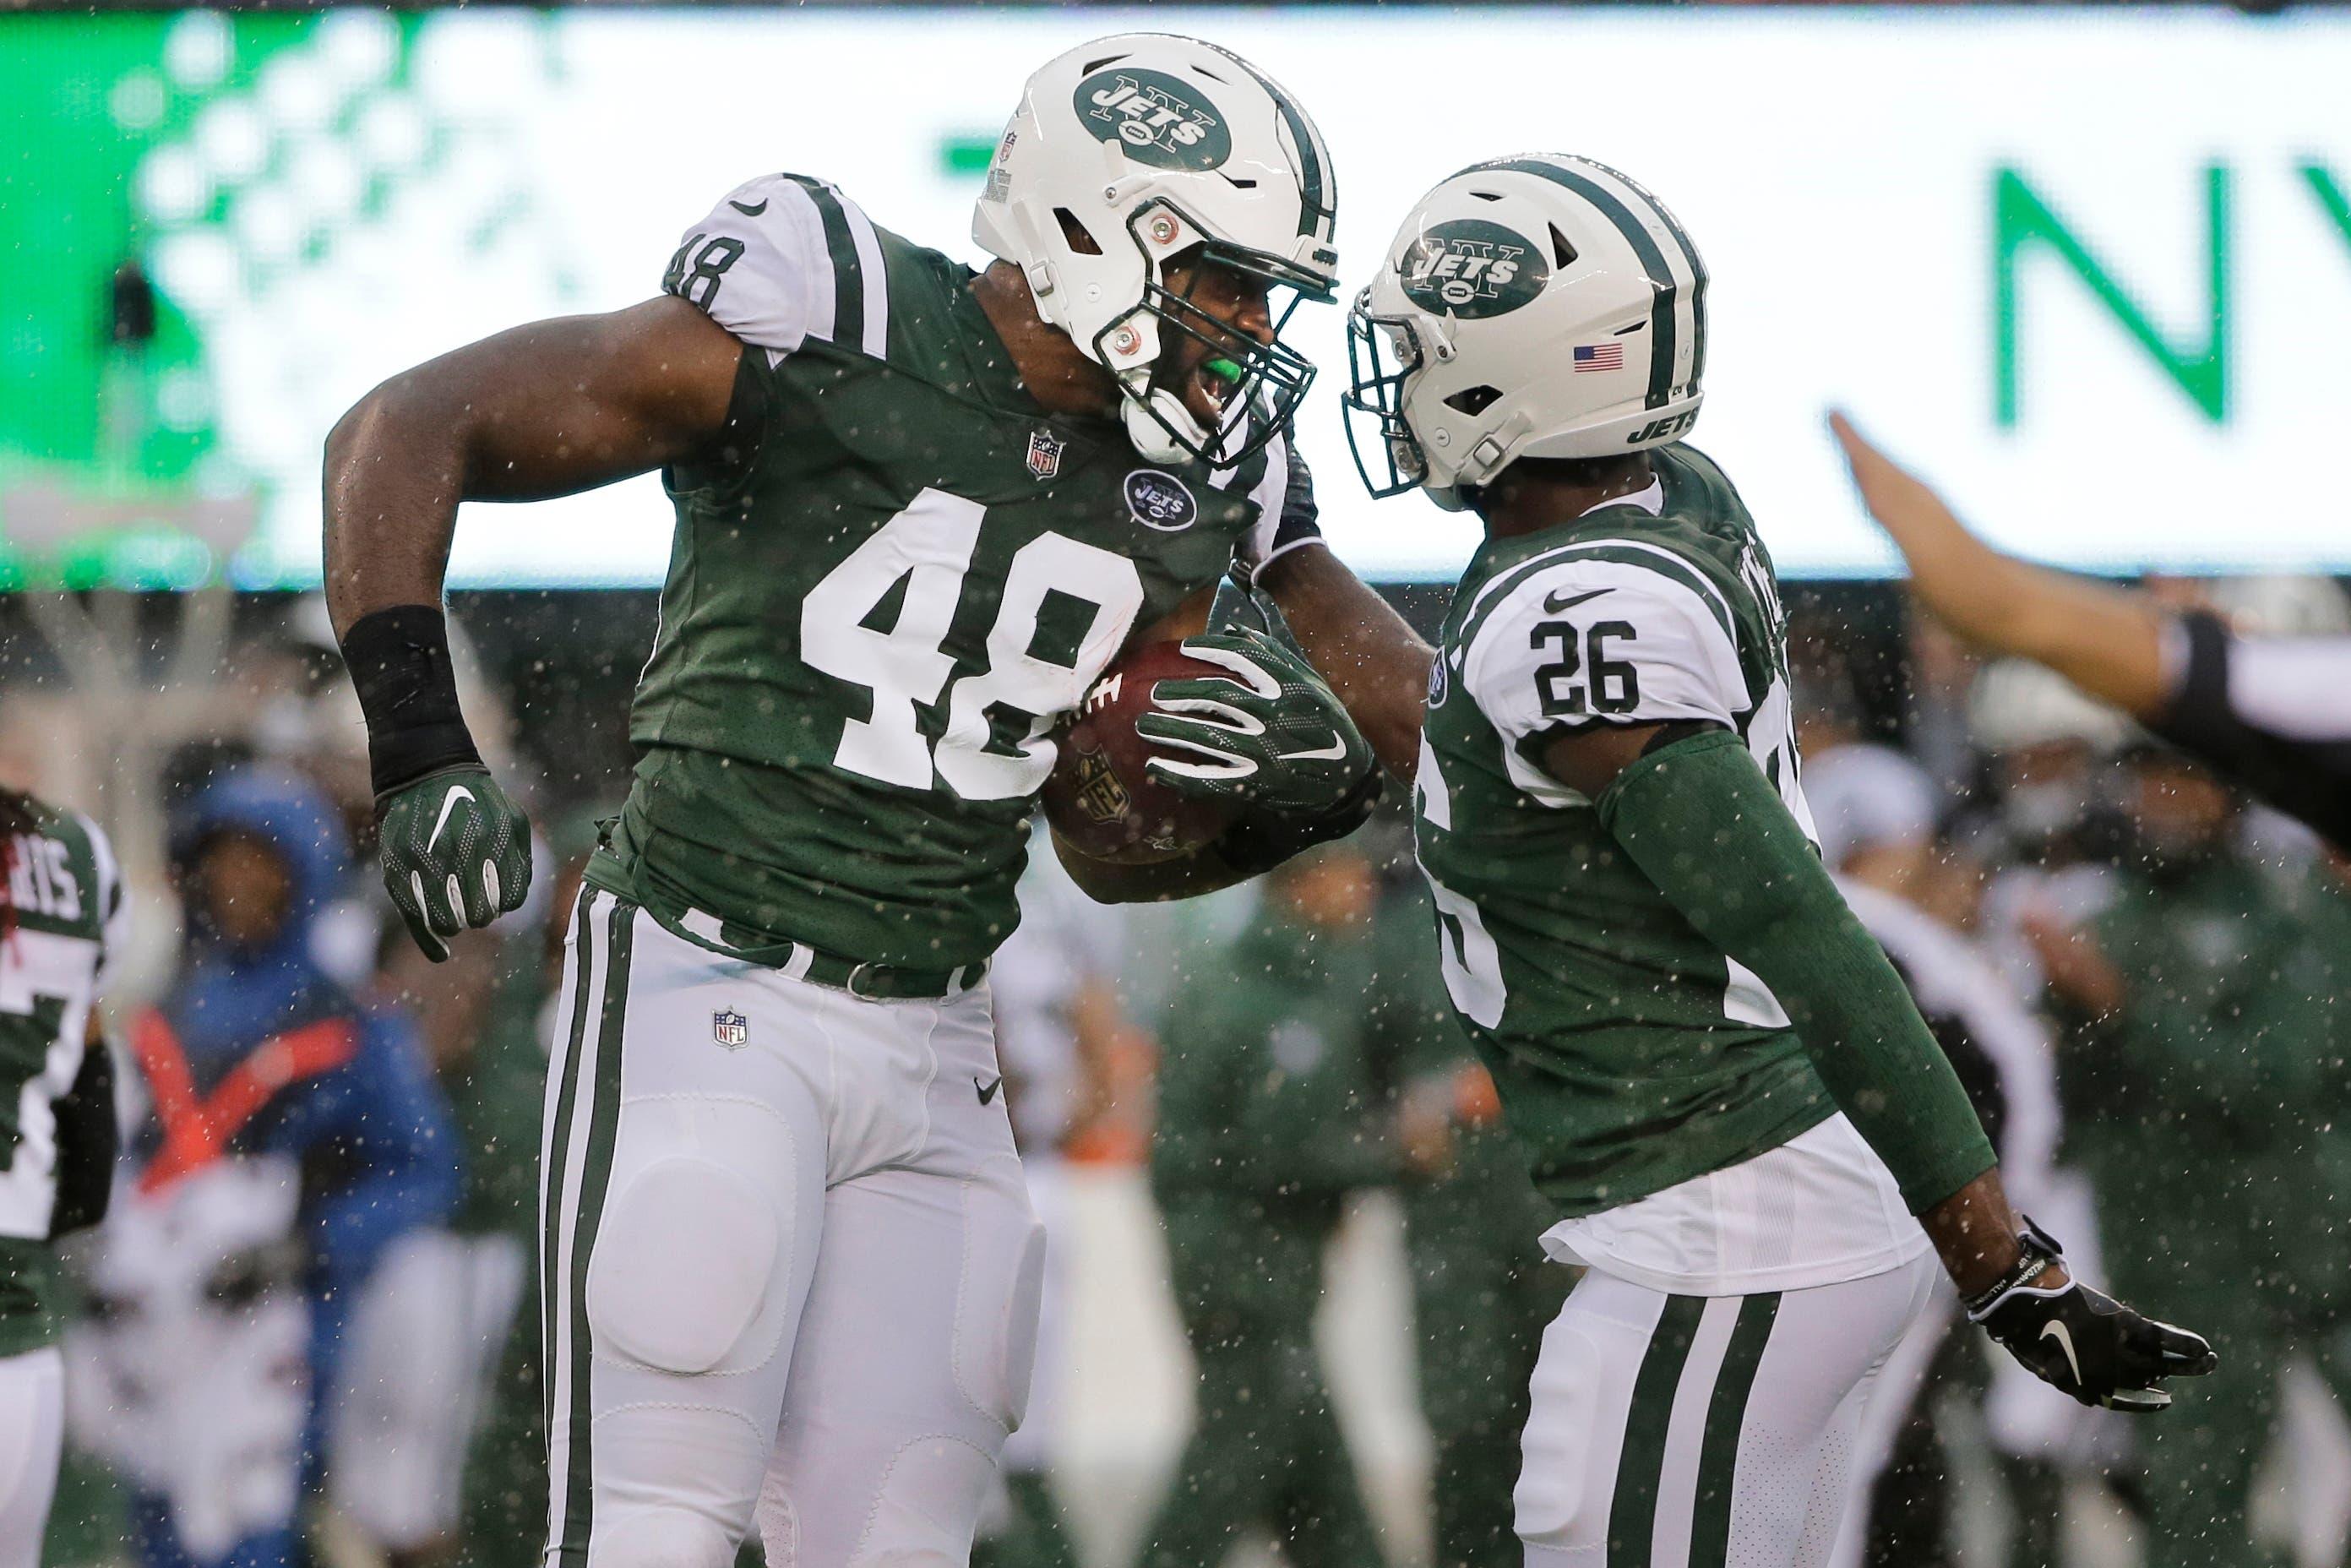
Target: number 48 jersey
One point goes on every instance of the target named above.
(1632, 1054)
(884, 590)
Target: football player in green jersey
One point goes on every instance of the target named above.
(788, 1264)
(62, 915)
(1721, 1085)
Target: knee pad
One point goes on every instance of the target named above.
(685, 1254)
(659, 1538)
(997, 1297)
(1562, 1497)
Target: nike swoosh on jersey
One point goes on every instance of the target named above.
(1331, 753)
(2064, 1337)
(988, 1092)
(1554, 603)
(746, 209)
(448, 803)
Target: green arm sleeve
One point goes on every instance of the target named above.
(1702, 822)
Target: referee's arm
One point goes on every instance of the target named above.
(2273, 714)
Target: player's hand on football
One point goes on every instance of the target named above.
(2085, 1342)
(1271, 734)
(456, 854)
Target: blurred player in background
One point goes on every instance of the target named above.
(62, 912)
(1482, 1290)
(294, 1139)
(919, 510)
(2206, 992)
(2272, 713)
(1275, 1089)
(1723, 1087)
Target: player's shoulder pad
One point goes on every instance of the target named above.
(785, 259)
(1601, 630)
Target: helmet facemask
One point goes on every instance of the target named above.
(1266, 381)
(1382, 353)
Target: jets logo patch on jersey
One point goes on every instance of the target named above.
(1156, 116)
(1045, 450)
(1471, 268)
(1161, 501)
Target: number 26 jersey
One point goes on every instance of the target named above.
(1632, 1054)
(888, 582)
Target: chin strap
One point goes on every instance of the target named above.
(1154, 440)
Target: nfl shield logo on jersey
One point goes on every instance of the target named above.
(1045, 450)
(730, 1028)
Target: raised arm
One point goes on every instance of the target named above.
(544, 410)
(2105, 640)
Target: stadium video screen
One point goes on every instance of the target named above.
(2089, 271)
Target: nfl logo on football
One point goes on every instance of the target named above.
(730, 1028)
(1045, 453)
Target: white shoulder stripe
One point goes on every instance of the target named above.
(793, 224)
(873, 272)
(1566, 552)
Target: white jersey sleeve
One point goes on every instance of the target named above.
(783, 260)
(1584, 641)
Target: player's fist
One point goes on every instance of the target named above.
(456, 854)
(2084, 1342)
(1272, 736)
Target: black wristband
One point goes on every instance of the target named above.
(407, 688)
(1253, 846)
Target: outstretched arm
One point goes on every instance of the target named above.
(2105, 640)
(1694, 812)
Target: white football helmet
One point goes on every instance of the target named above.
(1533, 306)
(1149, 144)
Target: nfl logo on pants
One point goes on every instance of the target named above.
(731, 1029)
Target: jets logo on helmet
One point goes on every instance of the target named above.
(1463, 352)
(1156, 115)
(1471, 268)
(1115, 168)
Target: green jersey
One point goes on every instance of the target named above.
(884, 595)
(65, 896)
(1631, 1055)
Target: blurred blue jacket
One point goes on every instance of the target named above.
(360, 1112)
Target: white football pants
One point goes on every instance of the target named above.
(32, 1434)
(1697, 1431)
(789, 1263)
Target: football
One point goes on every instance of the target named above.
(1098, 797)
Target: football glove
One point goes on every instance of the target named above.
(2084, 1342)
(1271, 737)
(456, 854)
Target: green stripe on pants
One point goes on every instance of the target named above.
(1633, 1510)
(1726, 1415)
(595, 1174)
(558, 1145)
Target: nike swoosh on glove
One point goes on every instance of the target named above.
(1271, 734)
(456, 854)
(2084, 1342)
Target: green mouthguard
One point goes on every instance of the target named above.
(1224, 370)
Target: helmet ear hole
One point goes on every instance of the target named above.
(1473, 401)
(1562, 254)
(1080, 237)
